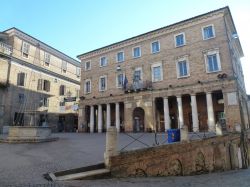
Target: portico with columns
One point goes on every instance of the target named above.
(199, 111)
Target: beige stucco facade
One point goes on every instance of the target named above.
(32, 84)
(200, 95)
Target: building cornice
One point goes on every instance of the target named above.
(35, 42)
(45, 71)
(155, 33)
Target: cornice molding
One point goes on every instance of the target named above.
(43, 46)
(153, 34)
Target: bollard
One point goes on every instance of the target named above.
(184, 133)
(111, 145)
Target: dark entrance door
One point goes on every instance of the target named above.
(138, 119)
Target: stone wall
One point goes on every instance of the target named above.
(213, 154)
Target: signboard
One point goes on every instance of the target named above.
(69, 99)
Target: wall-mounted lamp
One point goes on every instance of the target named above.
(118, 68)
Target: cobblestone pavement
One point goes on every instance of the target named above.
(22, 165)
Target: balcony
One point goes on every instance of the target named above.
(138, 86)
(5, 49)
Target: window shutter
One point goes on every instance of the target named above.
(48, 86)
(40, 84)
(18, 79)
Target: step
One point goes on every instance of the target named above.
(82, 175)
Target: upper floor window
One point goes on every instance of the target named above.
(136, 52)
(155, 47)
(212, 60)
(87, 65)
(21, 98)
(208, 32)
(87, 86)
(120, 80)
(77, 93)
(180, 40)
(103, 61)
(43, 85)
(44, 102)
(120, 56)
(78, 72)
(64, 66)
(182, 68)
(137, 75)
(47, 58)
(25, 49)
(62, 90)
(20, 79)
(157, 74)
(103, 83)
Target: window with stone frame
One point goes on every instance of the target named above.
(87, 87)
(120, 56)
(103, 61)
(155, 47)
(179, 40)
(103, 83)
(87, 66)
(208, 32)
(120, 80)
(43, 85)
(136, 52)
(21, 79)
(25, 49)
(46, 58)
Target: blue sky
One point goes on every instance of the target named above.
(78, 26)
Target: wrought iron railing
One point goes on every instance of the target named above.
(137, 86)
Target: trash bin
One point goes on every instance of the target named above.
(173, 135)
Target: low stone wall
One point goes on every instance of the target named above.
(196, 157)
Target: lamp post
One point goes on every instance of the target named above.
(243, 138)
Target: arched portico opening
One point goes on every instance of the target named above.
(138, 119)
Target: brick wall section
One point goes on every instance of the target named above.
(213, 154)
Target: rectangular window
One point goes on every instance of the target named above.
(43, 85)
(120, 80)
(179, 40)
(20, 79)
(62, 103)
(183, 68)
(157, 72)
(62, 90)
(137, 75)
(136, 52)
(78, 71)
(102, 83)
(212, 63)
(64, 66)
(87, 65)
(155, 47)
(208, 32)
(21, 98)
(103, 61)
(87, 86)
(25, 49)
(44, 102)
(47, 58)
(120, 56)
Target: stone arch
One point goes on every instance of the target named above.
(175, 167)
(200, 164)
(138, 119)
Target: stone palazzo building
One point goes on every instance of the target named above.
(39, 80)
(188, 73)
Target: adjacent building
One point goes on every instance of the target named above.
(188, 73)
(36, 79)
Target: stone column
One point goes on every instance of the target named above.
(99, 118)
(166, 115)
(180, 110)
(108, 123)
(82, 124)
(194, 113)
(117, 116)
(92, 119)
(210, 112)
